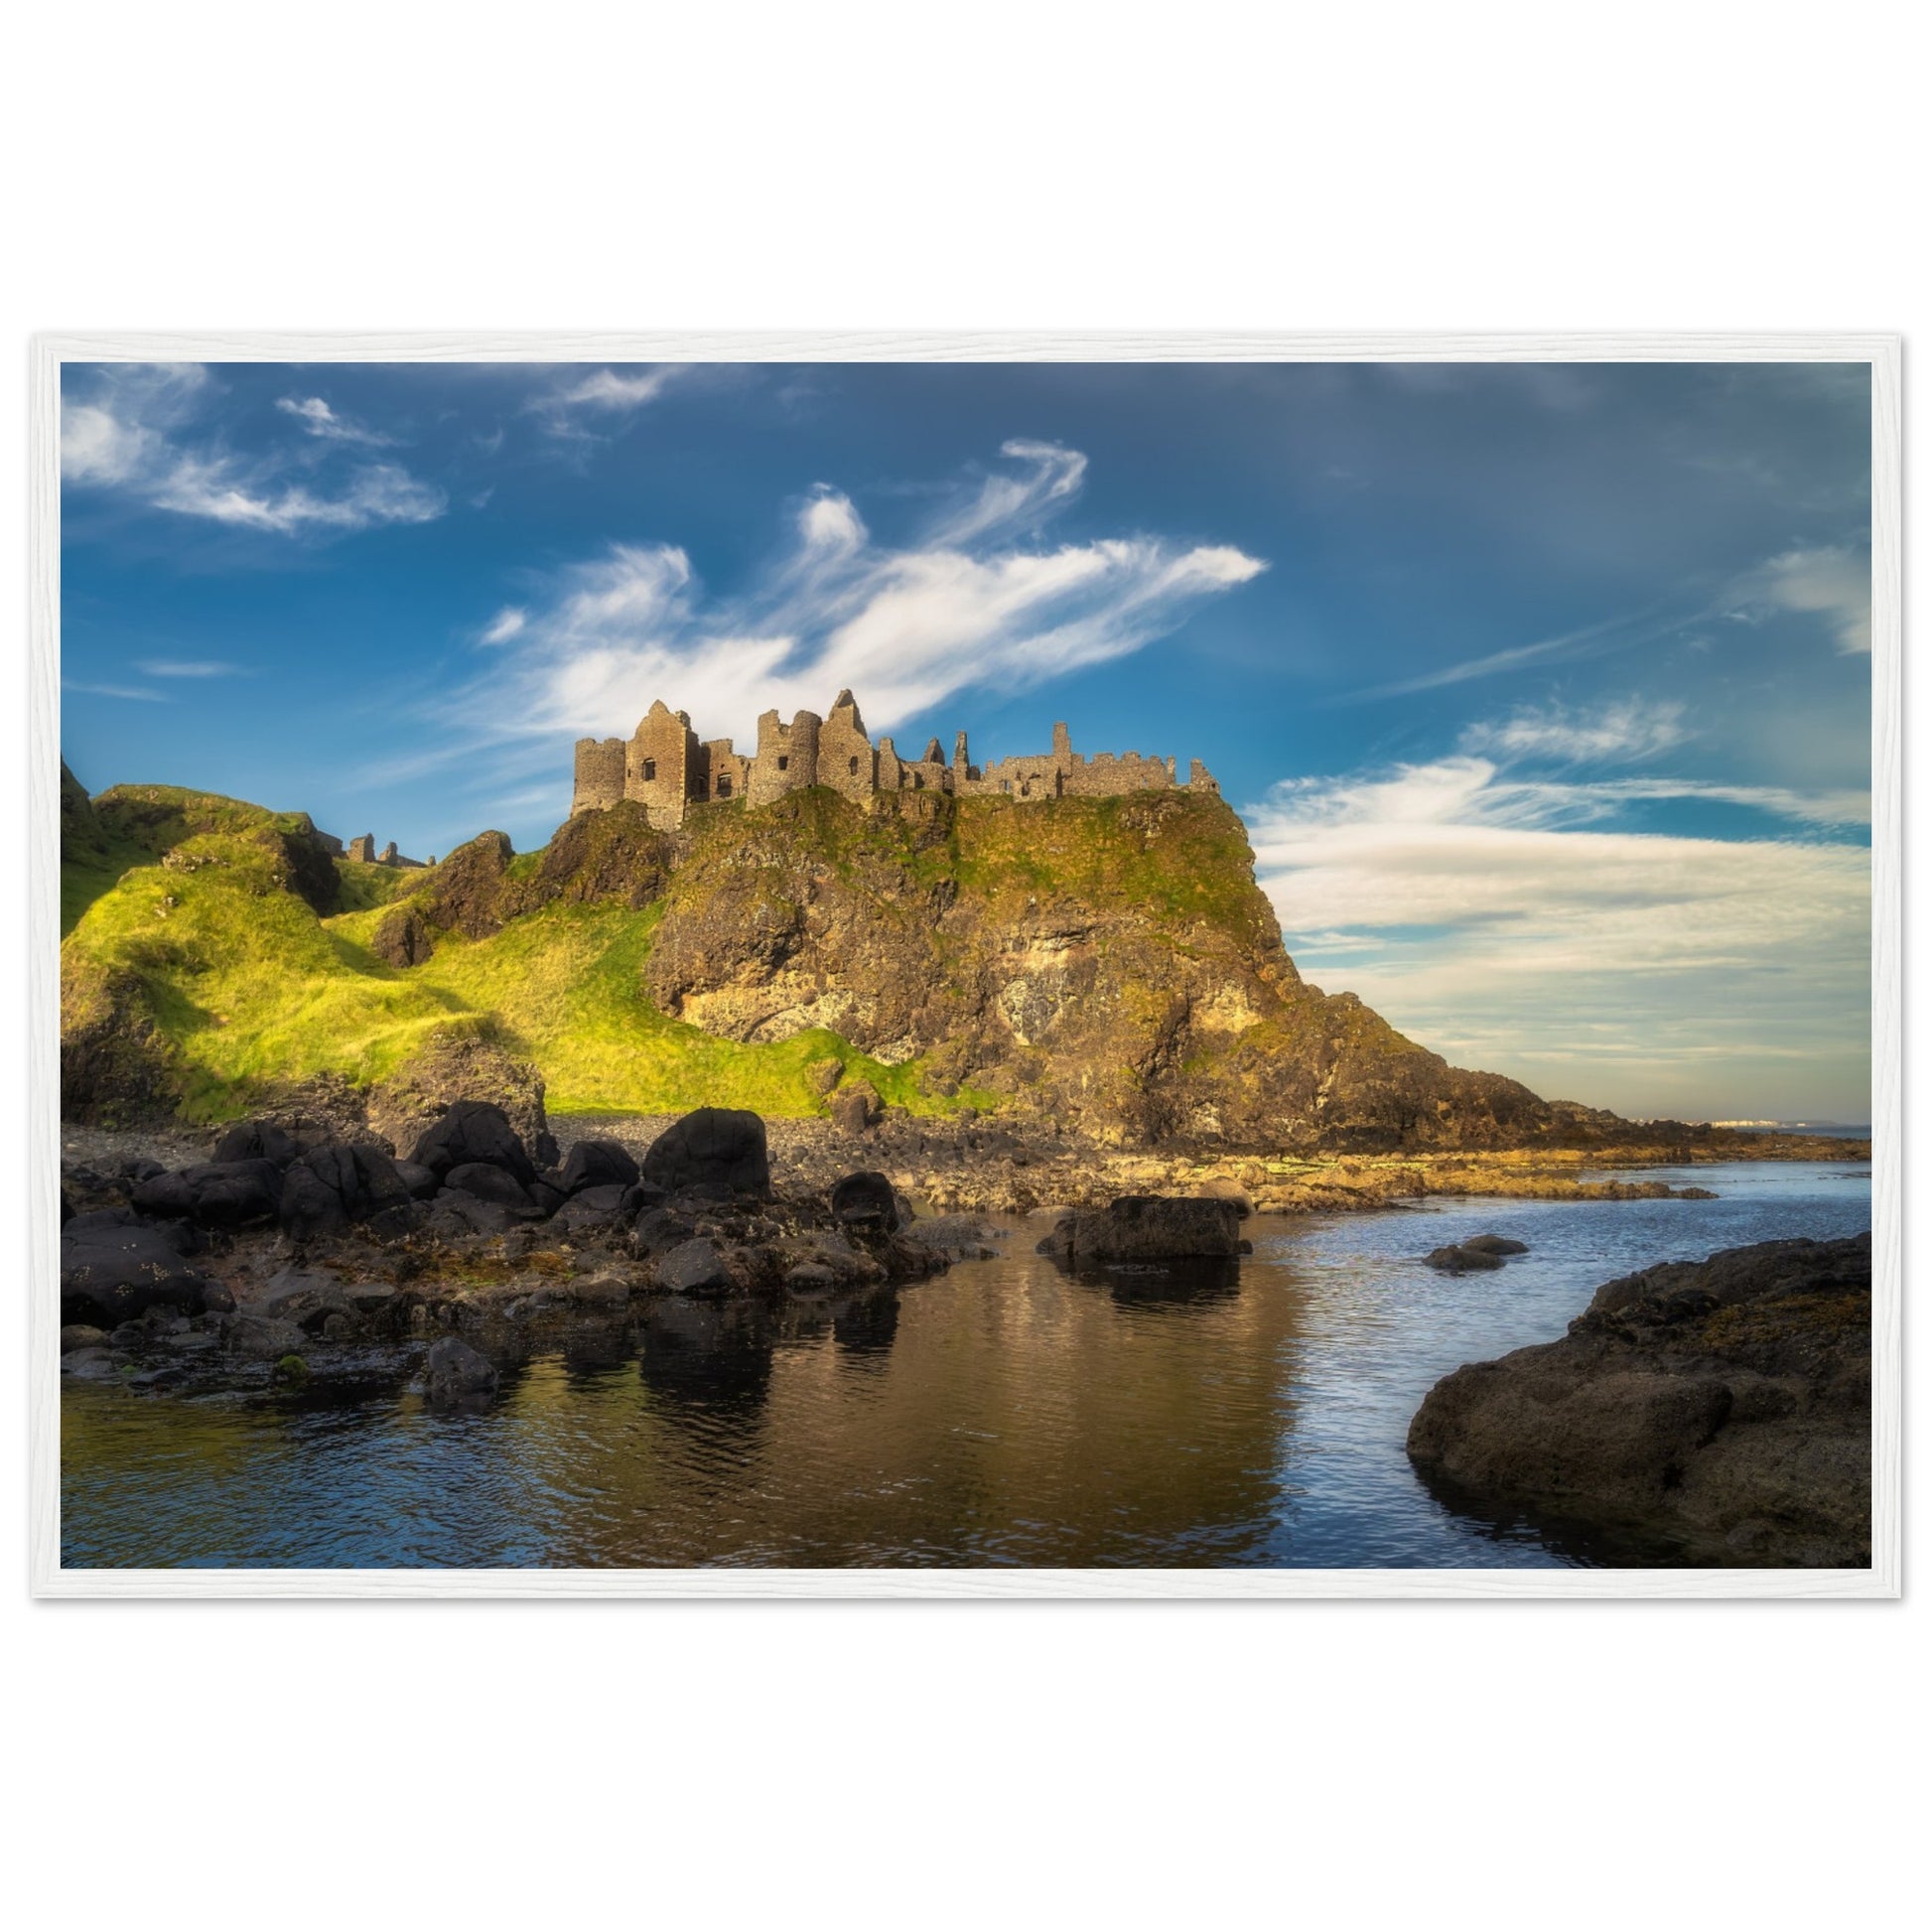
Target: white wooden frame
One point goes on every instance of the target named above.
(1881, 351)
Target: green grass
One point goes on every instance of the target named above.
(251, 991)
(367, 887)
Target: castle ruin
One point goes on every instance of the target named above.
(666, 767)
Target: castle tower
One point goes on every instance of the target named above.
(598, 774)
(846, 761)
(665, 766)
(788, 756)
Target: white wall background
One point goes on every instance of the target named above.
(1681, 166)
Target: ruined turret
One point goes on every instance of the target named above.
(666, 767)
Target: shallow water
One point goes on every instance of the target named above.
(1001, 1413)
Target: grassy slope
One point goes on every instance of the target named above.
(250, 988)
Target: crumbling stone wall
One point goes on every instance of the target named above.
(665, 767)
(728, 774)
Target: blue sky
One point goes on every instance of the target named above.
(1544, 689)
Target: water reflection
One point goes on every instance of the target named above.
(1176, 1283)
(1005, 1413)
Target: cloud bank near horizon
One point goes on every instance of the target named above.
(1514, 921)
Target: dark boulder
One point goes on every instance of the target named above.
(109, 1274)
(461, 1070)
(1493, 1244)
(455, 1375)
(694, 1267)
(454, 1213)
(1148, 1228)
(865, 1200)
(257, 1140)
(218, 1193)
(597, 1163)
(422, 1182)
(474, 1133)
(855, 1108)
(328, 1188)
(264, 1338)
(717, 1151)
(1709, 1413)
(1466, 1259)
(658, 1228)
(494, 1185)
(311, 1300)
(311, 1204)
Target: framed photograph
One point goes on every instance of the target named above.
(966, 966)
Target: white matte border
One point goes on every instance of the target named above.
(1882, 352)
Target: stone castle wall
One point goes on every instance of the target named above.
(665, 767)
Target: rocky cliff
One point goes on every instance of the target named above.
(1105, 965)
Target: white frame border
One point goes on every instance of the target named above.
(1882, 352)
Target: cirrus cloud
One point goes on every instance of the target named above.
(974, 597)
(137, 431)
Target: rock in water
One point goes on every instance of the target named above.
(455, 1375)
(1493, 1244)
(1462, 1260)
(717, 1151)
(1148, 1228)
(1717, 1412)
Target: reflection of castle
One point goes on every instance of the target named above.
(665, 767)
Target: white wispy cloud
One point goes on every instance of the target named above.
(973, 599)
(189, 668)
(142, 431)
(114, 691)
(506, 625)
(602, 397)
(1620, 729)
(1831, 581)
(316, 416)
(1515, 925)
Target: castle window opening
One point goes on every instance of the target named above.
(919, 781)
(784, 764)
(851, 766)
(724, 788)
(650, 769)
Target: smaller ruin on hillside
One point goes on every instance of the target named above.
(665, 767)
(364, 851)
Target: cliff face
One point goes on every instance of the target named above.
(1108, 965)
(1109, 962)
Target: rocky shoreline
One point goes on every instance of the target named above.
(1701, 1412)
(983, 1166)
(1714, 1414)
